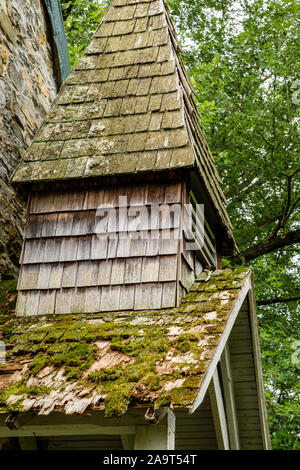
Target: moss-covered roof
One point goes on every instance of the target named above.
(114, 360)
(126, 108)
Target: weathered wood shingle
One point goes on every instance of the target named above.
(127, 107)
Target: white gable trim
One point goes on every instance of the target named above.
(230, 322)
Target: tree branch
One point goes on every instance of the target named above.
(278, 300)
(289, 208)
(265, 247)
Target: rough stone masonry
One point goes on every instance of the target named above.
(28, 85)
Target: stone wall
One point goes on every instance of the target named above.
(27, 87)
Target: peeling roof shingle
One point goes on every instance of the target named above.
(150, 358)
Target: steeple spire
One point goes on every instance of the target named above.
(126, 108)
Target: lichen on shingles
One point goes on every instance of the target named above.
(114, 360)
(122, 107)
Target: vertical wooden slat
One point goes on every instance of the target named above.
(84, 248)
(42, 201)
(99, 246)
(80, 223)
(188, 256)
(173, 192)
(104, 273)
(166, 217)
(187, 274)
(29, 276)
(154, 217)
(111, 196)
(46, 302)
(64, 224)
(33, 251)
(117, 272)
(69, 275)
(49, 225)
(75, 200)
(52, 250)
(34, 227)
(168, 268)
(153, 242)
(169, 246)
(110, 298)
(228, 390)
(123, 250)
(112, 246)
(77, 300)
(94, 197)
(21, 304)
(69, 247)
(218, 412)
(156, 193)
(159, 437)
(168, 295)
(150, 269)
(127, 297)
(63, 301)
(138, 195)
(91, 218)
(55, 276)
(34, 198)
(92, 300)
(198, 266)
(87, 274)
(133, 270)
(138, 246)
(32, 303)
(148, 296)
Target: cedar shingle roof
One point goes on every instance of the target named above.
(126, 108)
(114, 360)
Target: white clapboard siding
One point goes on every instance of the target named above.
(196, 431)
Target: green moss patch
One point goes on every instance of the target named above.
(106, 375)
(20, 388)
(118, 399)
(8, 297)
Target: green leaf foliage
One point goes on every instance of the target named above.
(81, 18)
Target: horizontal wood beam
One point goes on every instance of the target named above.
(65, 430)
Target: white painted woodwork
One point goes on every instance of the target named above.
(156, 436)
(218, 412)
(217, 355)
(229, 399)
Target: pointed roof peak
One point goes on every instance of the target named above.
(126, 108)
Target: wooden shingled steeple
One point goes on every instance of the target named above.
(133, 321)
(125, 122)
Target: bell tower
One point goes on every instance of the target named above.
(125, 208)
